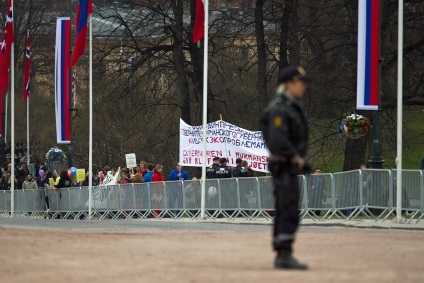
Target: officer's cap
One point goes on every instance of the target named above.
(293, 73)
(215, 158)
(223, 160)
(238, 160)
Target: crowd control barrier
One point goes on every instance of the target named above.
(345, 195)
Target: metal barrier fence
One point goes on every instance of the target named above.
(344, 195)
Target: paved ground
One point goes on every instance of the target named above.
(37, 250)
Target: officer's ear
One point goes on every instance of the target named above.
(280, 89)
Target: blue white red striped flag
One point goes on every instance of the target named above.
(62, 69)
(85, 8)
(368, 55)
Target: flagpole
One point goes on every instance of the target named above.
(28, 157)
(12, 127)
(5, 119)
(28, 153)
(399, 116)
(90, 87)
(205, 106)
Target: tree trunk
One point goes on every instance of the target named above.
(286, 19)
(355, 153)
(261, 46)
(179, 60)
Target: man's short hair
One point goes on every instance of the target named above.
(223, 160)
(150, 166)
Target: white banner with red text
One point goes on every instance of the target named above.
(222, 140)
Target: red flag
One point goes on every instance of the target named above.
(27, 69)
(85, 8)
(199, 23)
(6, 47)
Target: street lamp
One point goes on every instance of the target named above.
(376, 160)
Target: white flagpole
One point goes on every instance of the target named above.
(399, 116)
(90, 150)
(5, 119)
(12, 127)
(205, 106)
(28, 155)
(28, 152)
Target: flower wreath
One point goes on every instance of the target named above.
(55, 154)
(356, 126)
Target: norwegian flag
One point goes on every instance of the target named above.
(6, 47)
(27, 75)
(199, 23)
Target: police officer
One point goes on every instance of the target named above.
(285, 131)
(210, 171)
(223, 171)
(239, 171)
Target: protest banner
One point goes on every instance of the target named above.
(222, 140)
(131, 160)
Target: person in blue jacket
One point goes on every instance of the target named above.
(149, 174)
(176, 188)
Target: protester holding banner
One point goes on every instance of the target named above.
(285, 131)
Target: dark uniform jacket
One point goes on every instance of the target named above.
(240, 171)
(210, 171)
(285, 130)
(223, 172)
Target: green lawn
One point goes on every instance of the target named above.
(327, 147)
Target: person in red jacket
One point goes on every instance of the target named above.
(157, 192)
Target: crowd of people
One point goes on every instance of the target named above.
(42, 177)
(148, 172)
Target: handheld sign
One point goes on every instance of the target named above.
(80, 175)
(131, 160)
